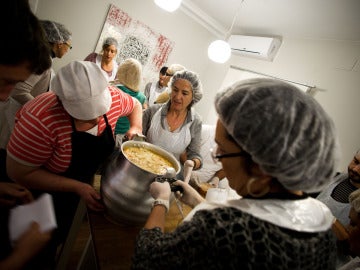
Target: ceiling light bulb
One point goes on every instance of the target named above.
(219, 51)
(168, 5)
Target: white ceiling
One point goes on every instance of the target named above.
(314, 19)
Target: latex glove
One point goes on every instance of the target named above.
(160, 190)
(189, 196)
(194, 180)
(188, 167)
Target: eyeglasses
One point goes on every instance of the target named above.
(216, 158)
(70, 47)
(169, 75)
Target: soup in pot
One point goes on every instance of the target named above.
(147, 160)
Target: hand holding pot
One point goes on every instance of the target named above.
(160, 190)
(189, 196)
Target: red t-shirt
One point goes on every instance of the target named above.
(42, 133)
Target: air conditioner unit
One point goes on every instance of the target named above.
(253, 46)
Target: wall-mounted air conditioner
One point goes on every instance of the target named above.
(253, 46)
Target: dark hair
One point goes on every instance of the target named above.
(163, 70)
(24, 35)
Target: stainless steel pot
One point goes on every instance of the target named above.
(125, 186)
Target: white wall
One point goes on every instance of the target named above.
(333, 68)
(330, 65)
(85, 19)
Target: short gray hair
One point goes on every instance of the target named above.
(286, 132)
(193, 79)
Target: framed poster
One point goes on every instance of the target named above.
(136, 40)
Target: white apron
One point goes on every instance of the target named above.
(307, 215)
(340, 210)
(173, 142)
(114, 71)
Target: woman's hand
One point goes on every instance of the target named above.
(159, 190)
(12, 194)
(189, 196)
(26, 247)
(91, 197)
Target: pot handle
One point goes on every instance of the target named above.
(137, 137)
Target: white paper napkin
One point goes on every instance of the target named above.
(40, 211)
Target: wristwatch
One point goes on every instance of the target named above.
(165, 203)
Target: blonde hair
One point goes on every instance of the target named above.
(129, 74)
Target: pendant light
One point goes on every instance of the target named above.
(219, 50)
(168, 5)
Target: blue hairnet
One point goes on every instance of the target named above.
(286, 132)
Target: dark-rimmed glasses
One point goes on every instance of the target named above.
(217, 158)
(169, 75)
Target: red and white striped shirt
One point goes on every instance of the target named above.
(42, 133)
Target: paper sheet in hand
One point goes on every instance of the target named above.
(40, 211)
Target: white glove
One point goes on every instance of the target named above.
(189, 196)
(214, 181)
(194, 180)
(188, 167)
(160, 190)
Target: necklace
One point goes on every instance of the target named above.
(174, 122)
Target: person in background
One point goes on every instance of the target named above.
(154, 89)
(129, 77)
(165, 95)
(175, 125)
(291, 149)
(336, 194)
(69, 134)
(106, 59)
(59, 40)
(24, 36)
(349, 236)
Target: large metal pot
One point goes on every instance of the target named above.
(125, 186)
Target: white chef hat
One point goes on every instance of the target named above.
(83, 90)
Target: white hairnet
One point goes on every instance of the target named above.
(110, 41)
(129, 74)
(286, 132)
(194, 80)
(175, 68)
(354, 200)
(55, 32)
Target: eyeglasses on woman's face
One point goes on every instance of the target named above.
(217, 157)
(69, 46)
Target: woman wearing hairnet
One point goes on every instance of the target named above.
(59, 41)
(175, 125)
(106, 59)
(128, 79)
(276, 144)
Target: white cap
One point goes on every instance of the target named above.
(82, 89)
